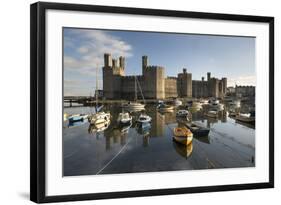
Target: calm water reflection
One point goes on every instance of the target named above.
(112, 149)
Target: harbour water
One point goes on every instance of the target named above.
(111, 149)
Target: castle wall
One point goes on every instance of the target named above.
(200, 89)
(154, 87)
(214, 87)
(128, 87)
(171, 87)
(111, 84)
(184, 84)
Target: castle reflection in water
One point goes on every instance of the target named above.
(160, 123)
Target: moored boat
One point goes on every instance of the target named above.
(216, 106)
(182, 113)
(96, 128)
(177, 102)
(204, 101)
(165, 108)
(99, 117)
(212, 113)
(183, 135)
(197, 130)
(246, 117)
(144, 118)
(124, 118)
(134, 106)
(77, 118)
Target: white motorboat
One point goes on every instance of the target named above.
(96, 128)
(182, 113)
(212, 113)
(246, 117)
(143, 118)
(99, 117)
(177, 102)
(213, 100)
(215, 105)
(124, 118)
(133, 106)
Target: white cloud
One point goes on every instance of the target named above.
(242, 80)
(84, 52)
(89, 49)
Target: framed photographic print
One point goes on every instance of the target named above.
(129, 102)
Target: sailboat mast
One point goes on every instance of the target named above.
(96, 92)
(136, 95)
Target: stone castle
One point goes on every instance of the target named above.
(154, 84)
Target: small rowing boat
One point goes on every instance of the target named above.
(183, 135)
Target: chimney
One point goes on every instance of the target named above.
(184, 70)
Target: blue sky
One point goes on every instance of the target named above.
(223, 56)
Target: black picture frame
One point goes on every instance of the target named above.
(38, 100)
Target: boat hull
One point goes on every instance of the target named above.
(183, 139)
(212, 115)
(245, 119)
(99, 118)
(168, 109)
(182, 135)
(77, 118)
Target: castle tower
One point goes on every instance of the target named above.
(224, 80)
(208, 76)
(122, 62)
(144, 63)
(107, 60)
(184, 84)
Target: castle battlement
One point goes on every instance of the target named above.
(154, 67)
(153, 82)
(132, 76)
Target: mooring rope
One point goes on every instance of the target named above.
(108, 163)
